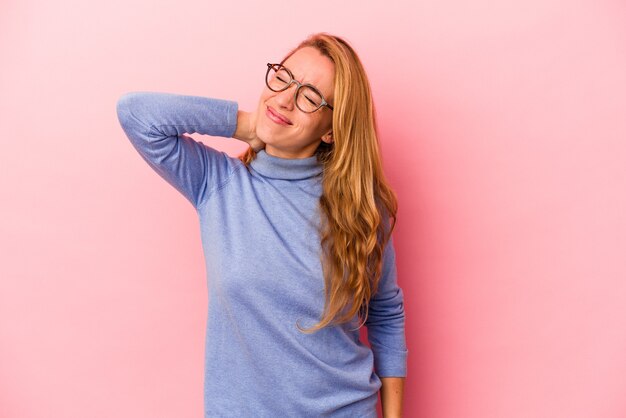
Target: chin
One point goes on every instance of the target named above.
(270, 132)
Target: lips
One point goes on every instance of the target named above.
(277, 117)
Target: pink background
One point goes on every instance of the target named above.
(503, 133)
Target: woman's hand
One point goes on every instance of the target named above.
(246, 130)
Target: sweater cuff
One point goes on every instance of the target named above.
(390, 363)
(232, 108)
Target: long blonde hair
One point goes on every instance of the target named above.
(357, 204)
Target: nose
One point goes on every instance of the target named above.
(285, 98)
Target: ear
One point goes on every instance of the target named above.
(328, 137)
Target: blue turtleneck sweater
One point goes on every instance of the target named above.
(261, 249)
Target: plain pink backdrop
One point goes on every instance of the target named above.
(503, 132)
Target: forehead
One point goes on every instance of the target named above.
(308, 65)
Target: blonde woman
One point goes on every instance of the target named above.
(296, 234)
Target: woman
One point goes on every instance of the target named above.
(297, 230)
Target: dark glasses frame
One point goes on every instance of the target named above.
(292, 80)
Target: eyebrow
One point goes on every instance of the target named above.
(316, 88)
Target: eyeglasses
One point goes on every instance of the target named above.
(308, 98)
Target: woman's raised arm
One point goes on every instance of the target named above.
(155, 124)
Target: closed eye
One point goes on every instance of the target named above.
(312, 102)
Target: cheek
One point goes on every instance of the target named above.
(315, 126)
(261, 104)
(261, 109)
(262, 99)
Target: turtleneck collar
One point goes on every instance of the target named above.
(286, 168)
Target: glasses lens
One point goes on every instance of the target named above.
(309, 99)
(277, 78)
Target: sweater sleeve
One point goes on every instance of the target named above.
(155, 124)
(385, 321)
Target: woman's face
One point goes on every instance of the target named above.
(300, 137)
